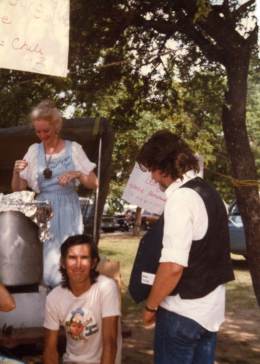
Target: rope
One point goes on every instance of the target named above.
(240, 182)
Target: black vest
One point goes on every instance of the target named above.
(209, 262)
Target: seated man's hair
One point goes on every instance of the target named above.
(168, 153)
(78, 240)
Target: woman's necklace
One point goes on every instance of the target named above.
(47, 172)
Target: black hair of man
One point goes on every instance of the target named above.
(168, 153)
(78, 240)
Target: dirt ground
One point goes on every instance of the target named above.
(238, 339)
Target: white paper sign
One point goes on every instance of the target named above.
(34, 36)
(142, 191)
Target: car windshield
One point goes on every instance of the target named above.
(234, 215)
(234, 210)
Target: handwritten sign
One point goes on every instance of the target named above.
(142, 191)
(34, 36)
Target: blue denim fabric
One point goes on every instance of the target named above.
(180, 340)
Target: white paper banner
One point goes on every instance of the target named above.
(142, 191)
(34, 36)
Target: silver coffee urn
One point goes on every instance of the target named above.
(20, 250)
(21, 266)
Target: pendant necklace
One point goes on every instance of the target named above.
(47, 172)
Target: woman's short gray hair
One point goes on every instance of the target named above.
(48, 111)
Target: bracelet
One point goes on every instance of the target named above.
(149, 309)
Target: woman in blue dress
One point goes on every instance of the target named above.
(53, 168)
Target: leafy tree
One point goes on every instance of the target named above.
(197, 99)
(21, 90)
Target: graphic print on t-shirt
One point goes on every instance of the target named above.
(81, 323)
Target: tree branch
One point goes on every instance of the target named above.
(212, 51)
(185, 25)
(218, 28)
(243, 8)
(252, 38)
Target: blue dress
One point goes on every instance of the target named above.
(67, 218)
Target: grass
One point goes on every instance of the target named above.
(121, 248)
(239, 338)
(240, 292)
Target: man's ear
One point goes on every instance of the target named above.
(164, 174)
(94, 263)
(168, 178)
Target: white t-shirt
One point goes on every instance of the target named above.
(186, 220)
(82, 318)
(79, 157)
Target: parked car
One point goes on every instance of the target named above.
(124, 223)
(109, 224)
(148, 219)
(236, 231)
(127, 221)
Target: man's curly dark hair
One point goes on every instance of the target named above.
(78, 240)
(168, 153)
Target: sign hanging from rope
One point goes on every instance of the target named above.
(142, 191)
(34, 36)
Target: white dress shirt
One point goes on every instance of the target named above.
(186, 220)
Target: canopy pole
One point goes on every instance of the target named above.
(95, 224)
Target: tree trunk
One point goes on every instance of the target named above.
(242, 161)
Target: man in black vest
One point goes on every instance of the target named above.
(187, 299)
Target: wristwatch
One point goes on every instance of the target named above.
(149, 309)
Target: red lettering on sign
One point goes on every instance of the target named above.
(23, 45)
(5, 20)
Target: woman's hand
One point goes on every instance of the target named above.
(20, 165)
(88, 180)
(19, 184)
(68, 177)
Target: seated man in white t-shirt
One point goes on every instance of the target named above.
(86, 304)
